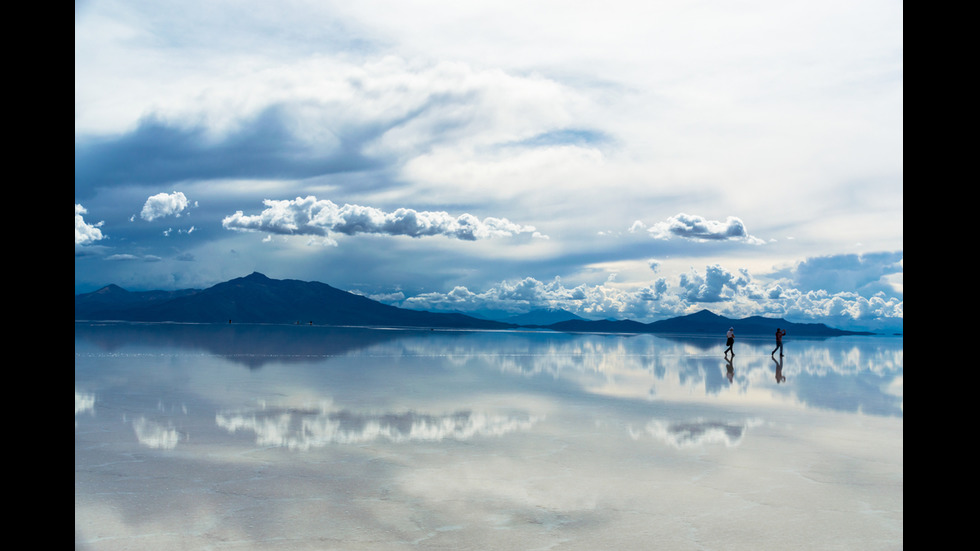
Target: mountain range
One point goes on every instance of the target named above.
(258, 299)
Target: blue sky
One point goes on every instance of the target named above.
(633, 160)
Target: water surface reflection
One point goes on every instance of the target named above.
(292, 436)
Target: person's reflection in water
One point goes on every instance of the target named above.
(779, 369)
(730, 369)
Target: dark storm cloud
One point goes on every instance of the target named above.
(266, 146)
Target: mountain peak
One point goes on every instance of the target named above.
(112, 288)
(703, 314)
(256, 298)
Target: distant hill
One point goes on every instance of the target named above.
(601, 326)
(542, 317)
(538, 317)
(259, 299)
(705, 321)
(112, 298)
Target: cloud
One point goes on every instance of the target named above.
(590, 301)
(716, 285)
(170, 231)
(324, 116)
(85, 233)
(643, 116)
(310, 216)
(698, 228)
(161, 205)
(698, 433)
(155, 435)
(84, 403)
(735, 294)
(133, 258)
(268, 145)
(845, 310)
(864, 273)
(305, 429)
(515, 296)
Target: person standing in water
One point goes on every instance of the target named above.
(730, 342)
(779, 342)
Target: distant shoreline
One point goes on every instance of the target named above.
(259, 299)
(515, 329)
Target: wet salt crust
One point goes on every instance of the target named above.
(283, 437)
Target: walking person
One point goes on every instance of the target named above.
(779, 342)
(730, 342)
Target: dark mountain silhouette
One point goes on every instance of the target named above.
(547, 316)
(259, 299)
(537, 317)
(601, 326)
(705, 321)
(113, 298)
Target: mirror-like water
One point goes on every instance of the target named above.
(300, 437)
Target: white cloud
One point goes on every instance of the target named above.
(310, 216)
(161, 205)
(133, 257)
(155, 435)
(84, 402)
(698, 228)
(85, 233)
(515, 296)
(715, 285)
(307, 429)
(734, 294)
(697, 433)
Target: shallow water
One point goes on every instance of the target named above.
(302, 437)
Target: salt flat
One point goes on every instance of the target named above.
(280, 437)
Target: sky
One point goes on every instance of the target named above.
(627, 160)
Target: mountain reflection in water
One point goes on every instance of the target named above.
(845, 373)
(251, 437)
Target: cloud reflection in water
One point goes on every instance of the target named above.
(695, 433)
(154, 435)
(303, 429)
(861, 373)
(453, 440)
(84, 403)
